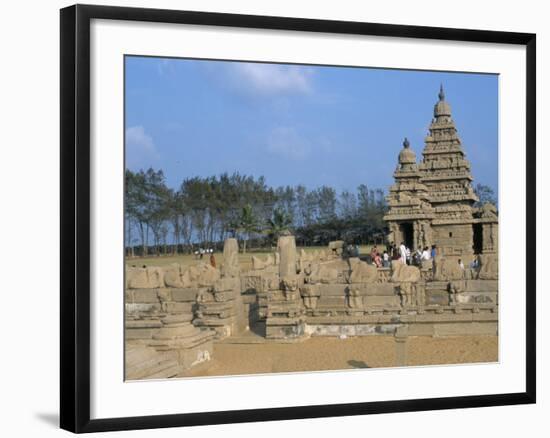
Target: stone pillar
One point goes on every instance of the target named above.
(230, 267)
(286, 247)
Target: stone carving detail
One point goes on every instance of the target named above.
(454, 288)
(258, 264)
(321, 273)
(404, 273)
(488, 267)
(336, 248)
(355, 299)
(310, 294)
(362, 272)
(447, 270)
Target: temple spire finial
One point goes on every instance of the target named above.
(441, 93)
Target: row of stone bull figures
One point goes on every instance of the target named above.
(174, 313)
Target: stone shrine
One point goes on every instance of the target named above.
(432, 201)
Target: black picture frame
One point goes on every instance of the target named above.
(75, 217)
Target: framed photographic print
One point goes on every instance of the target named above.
(270, 218)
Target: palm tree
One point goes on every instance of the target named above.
(248, 223)
(279, 224)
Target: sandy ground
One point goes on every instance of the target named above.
(323, 353)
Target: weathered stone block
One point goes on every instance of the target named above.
(185, 294)
(328, 301)
(482, 286)
(136, 278)
(440, 298)
(142, 307)
(227, 284)
(145, 296)
(381, 301)
(139, 333)
(382, 289)
(477, 298)
(179, 307)
(329, 290)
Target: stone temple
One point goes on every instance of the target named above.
(432, 201)
(176, 315)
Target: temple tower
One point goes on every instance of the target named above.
(410, 212)
(432, 202)
(446, 173)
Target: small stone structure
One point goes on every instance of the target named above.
(175, 315)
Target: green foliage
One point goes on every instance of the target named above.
(204, 211)
(248, 223)
(279, 224)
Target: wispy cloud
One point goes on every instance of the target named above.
(166, 67)
(286, 142)
(272, 78)
(141, 151)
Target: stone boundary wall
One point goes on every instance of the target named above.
(327, 294)
(174, 313)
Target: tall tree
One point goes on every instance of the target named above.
(347, 205)
(248, 224)
(485, 194)
(326, 198)
(278, 224)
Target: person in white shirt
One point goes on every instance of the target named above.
(403, 253)
(386, 259)
(425, 254)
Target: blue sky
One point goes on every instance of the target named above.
(294, 125)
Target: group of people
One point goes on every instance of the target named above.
(405, 255)
(380, 260)
(199, 254)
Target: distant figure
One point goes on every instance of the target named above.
(403, 253)
(212, 260)
(433, 254)
(425, 254)
(395, 253)
(434, 251)
(386, 259)
(461, 264)
(373, 252)
(378, 260)
(475, 263)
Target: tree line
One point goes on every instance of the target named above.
(204, 211)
